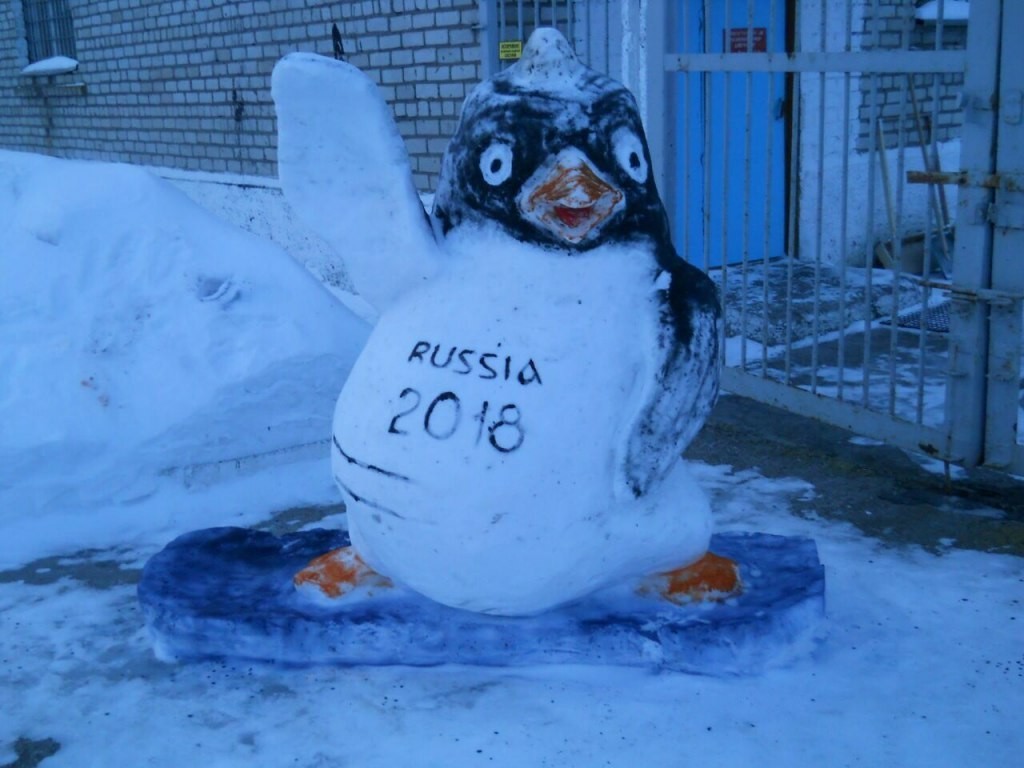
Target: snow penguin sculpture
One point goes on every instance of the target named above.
(510, 437)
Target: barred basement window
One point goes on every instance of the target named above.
(48, 29)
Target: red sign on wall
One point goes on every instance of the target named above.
(745, 39)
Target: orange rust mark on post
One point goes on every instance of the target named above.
(339, 572)
(713, 577)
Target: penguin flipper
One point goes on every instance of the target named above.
(345, 170)
(686, 385)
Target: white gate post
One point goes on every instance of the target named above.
(657, 120)
(968, 342)
(1002, 446)
(488, 24)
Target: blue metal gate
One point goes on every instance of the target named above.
(730, 158)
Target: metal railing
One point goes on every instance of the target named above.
(879, 312)
(804, 152)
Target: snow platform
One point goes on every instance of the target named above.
(227, 593)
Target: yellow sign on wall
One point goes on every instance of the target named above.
(510, 49)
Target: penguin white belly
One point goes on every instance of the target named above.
(479, 438)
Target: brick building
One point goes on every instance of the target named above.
(185, 85)
(894, 26)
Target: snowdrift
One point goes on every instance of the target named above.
(141, 335)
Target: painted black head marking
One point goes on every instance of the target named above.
(554, 153)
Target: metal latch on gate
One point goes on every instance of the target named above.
(1001, 213)
(986, 295)
(1009, 181)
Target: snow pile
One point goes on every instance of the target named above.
(55, 65)
(950, 10)
(140, 334)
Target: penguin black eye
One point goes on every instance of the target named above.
(629, 151)
(496, 163)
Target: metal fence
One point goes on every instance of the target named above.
(854, 188)
(862, 287)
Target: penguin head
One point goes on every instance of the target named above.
(554, 153)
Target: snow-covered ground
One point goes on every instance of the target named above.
(161, 371)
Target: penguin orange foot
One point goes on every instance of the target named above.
(713, 577)
(339, 572)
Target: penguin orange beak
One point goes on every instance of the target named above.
(569, 198)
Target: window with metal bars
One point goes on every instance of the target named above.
(48, 29)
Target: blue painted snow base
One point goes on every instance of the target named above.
(227, 593)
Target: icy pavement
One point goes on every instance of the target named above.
(923, 665)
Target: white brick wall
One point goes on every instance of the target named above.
(164, 83)
(890, 25)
